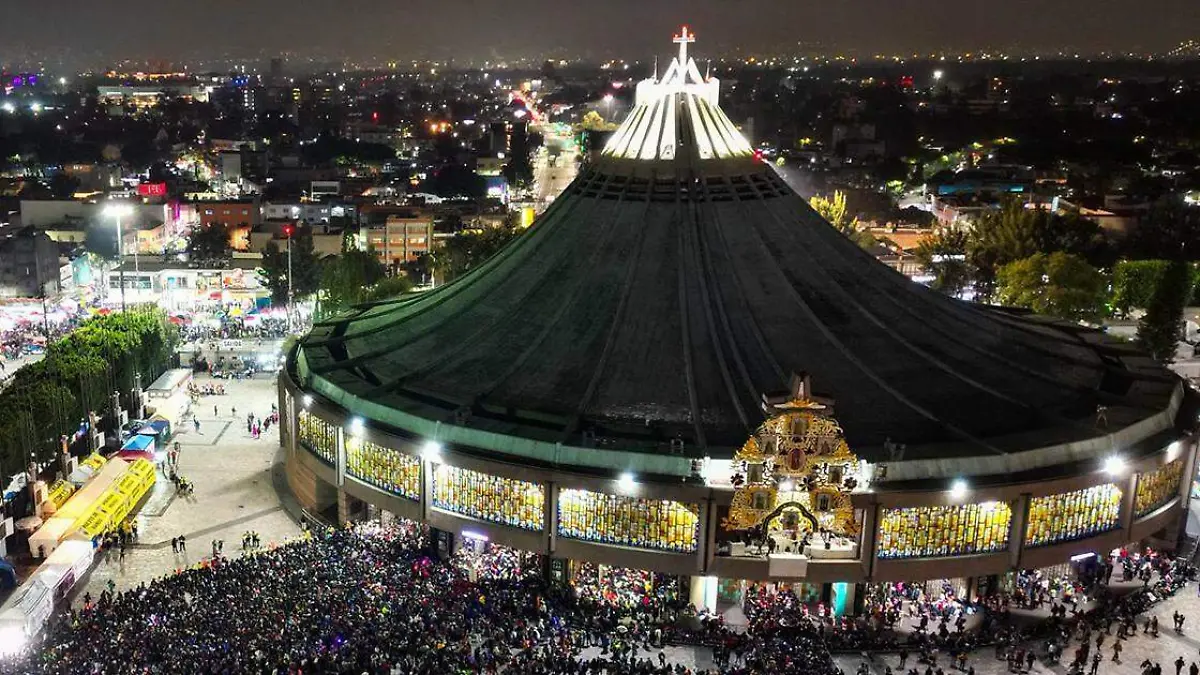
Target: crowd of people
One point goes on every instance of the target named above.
(374, 600)
(264, 326)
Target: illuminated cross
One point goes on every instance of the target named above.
(682, 40)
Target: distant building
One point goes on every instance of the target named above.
(29, 264)
(401, 237)
(230, 213)
(175, 286)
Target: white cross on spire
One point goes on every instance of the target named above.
(682, 40)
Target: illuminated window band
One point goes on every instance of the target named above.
(936, 531)
(384, 468)
(318, 436)
(1158, 487)
(487, 497)
(628, 521)
(1073, 515)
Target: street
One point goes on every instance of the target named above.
(554, 165)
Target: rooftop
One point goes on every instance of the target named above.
(649, 311)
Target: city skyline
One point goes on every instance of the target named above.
(476, 31)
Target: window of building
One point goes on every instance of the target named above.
(935, 531)
(1073, 515)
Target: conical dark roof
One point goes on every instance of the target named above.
(659, 301)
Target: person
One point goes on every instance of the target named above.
(1095, 663)
(215, 413)
(196, 423)
(1116, 657)
(175, 545)
(183, 543)
(1179, 665)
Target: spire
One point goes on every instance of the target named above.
(682, 40)
(663, 109)
(656, 67)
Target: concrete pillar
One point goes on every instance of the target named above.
(551, 517)
(350, 509)
(869, 547)
(426, 488)
(1188, 455)
(1128, 486)
(866, 543)
(340, 458)
(1016, 529)
(704, 534)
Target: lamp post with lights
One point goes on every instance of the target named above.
(117, 211)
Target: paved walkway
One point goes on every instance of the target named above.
(234, 492)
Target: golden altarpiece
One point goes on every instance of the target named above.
(794, 476)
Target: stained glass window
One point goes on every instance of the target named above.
(935, 531)
(487, 497)
(318, 436)
(628, 521)
(384, 468)
(1158, 487)
(1073, 515)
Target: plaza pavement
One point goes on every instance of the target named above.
(234, 491)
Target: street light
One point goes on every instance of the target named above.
(608, 99)
(287, 231)
(116, 211)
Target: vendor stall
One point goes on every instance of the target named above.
(66, 520)
(139, 446)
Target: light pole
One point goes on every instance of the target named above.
(288, 230)
(116, 211)
(608, 99)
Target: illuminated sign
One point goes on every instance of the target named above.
(152, 190)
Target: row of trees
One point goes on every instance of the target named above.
(1064, 266)
(79, 373)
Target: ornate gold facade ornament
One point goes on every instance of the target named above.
(797, 463)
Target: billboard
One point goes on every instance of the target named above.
(152, 190)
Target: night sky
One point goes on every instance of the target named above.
(477, 29)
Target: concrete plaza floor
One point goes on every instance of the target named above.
(234, 492)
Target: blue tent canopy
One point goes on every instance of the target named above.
(139, 443)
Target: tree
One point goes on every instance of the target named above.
(1170, 230)
(1160, 329)
(347, 279)
(387, 288)
(1057, 284)
(469, 249)
(305, 269)
(944, 255)
(1134, 283)
(833, 210)
(209, 245)
(592, 121)
(1015, 232)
